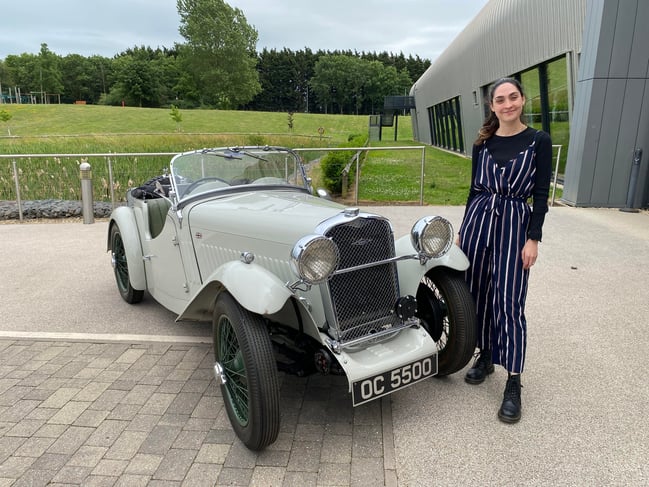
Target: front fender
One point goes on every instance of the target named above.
(124, 218)
(411, 271)
(254, 288)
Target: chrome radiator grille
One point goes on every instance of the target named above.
(363, 300)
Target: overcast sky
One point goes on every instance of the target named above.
(421, 28)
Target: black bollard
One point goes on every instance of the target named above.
(633, 181)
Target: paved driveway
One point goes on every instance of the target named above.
(94, 391)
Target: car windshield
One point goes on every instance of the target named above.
(223, 168)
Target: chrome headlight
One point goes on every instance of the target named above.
(314, 258)
(432, 236)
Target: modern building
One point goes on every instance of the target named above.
(584, 66)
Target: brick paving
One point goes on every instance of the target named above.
(130, 414)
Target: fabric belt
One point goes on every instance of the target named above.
(497, 201)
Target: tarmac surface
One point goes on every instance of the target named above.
(94, 391)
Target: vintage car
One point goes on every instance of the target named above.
(292, 281)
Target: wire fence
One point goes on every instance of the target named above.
(57, 176)
(25, 177)
(29, 177)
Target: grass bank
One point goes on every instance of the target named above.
(386, 176)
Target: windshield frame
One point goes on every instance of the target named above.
(199, 173)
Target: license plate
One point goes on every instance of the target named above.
(370, 388)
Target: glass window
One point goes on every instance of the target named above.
(446, 125)
(557, 82)
(532, 111)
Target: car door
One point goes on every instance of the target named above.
(166, 277)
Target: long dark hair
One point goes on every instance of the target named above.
(492, 123)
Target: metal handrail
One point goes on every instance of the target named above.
(109, 155)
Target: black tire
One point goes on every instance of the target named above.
(243, 349)
(447, 311)
(120, 267)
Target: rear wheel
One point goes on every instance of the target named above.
(447, 311)
(245, 361)
(120, 267)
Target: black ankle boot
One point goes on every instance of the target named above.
(482, 367)
(510, 411)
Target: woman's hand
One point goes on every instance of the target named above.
(530, 253)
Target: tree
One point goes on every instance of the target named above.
(22, 70)
(219, 57)
(143, 77)
(50, 74)
(176, 116)
(102, 74)
(335, 80)
(136, 83)
(36, 74)
(356, 85)
(5, 76)
(284, 76)
(77, 79)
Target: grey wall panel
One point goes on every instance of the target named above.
(592, 149)
(623, 39)
(603, 45)
(618, 61)
(592, 27)
(577, 148)
(606, 139)
(626, 139)
(639, 61)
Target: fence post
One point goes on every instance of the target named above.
(421, 177)
(86, 193)
(357, 176)
(556, 173)
(18, 200)
(110, 183)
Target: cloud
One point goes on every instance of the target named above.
(414, 27)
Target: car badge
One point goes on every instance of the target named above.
(362, 241)
(198, 235)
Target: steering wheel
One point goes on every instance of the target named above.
(200, 181)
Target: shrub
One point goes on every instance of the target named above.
(176, 116)
(255, 139)
(333, 164)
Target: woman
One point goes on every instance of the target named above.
(500, 234)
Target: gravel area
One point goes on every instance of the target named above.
(54, 209)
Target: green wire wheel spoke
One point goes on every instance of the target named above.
(244, 355)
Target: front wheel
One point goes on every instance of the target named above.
(120, 267)
(447, 311)
(246, 364)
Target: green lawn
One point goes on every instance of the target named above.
(97, 120)
(395, 177)
(387, 176)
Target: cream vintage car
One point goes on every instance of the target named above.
(292, 282)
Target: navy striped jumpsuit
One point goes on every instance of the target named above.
(494, 230)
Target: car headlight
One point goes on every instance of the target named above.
(314, 258)
(432, 236)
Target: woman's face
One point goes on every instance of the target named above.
(507, 103)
